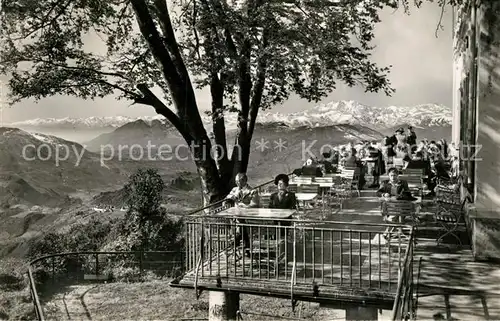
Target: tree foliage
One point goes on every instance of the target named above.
(143, 193)
(146, 226)
(251, 54)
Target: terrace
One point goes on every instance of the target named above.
(334, 252)
(331, 251)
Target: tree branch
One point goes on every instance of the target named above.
(160, 108)
(51, 63)
(258, 89)
(219, 127)
(161, 54)
(168, 33)
(44, 23)
(180, 86)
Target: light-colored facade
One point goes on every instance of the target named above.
(476, 117)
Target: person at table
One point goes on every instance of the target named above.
(246, 197)
(310, 168)
(283, 199)
(327, 162)
(353, 162)
(375, 165)
(243, 195)
(393, 187)
(418, 162)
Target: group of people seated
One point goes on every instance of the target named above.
(438, 160)
(245, 196)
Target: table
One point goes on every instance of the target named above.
(305, 197)
(255, 232)
(333, 174)
(401, 210)
(268, 213)
(320, 184)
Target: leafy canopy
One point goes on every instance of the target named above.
(143, 193)
(296, 46)
(146, 225)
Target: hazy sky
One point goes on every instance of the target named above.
(421, 73)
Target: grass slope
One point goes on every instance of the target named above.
(156, 300)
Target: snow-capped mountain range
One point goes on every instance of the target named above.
(333, 113)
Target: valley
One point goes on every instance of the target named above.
(46, 181)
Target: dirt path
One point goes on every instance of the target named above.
(70, 304)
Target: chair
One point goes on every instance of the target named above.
(352, 176)
(415, 183)
(293, 188)
(402, 210)
(299, 180)
(265, 199)
(309, 189)
(449, 212)
(338, 194)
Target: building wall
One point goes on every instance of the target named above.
(488, 134)
(484, 131)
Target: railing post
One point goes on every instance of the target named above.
(53, 269)
(96, 264)
(141, 267)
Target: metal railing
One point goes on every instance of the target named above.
(404, 304)
(327, 253)
(94, 265)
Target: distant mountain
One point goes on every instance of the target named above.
(30, 172)
(333, 113)
(74, 123)
(138, 132)
(276, 147)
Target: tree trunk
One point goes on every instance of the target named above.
(213, 187)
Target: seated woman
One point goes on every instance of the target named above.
(283, 199)
(393, 186)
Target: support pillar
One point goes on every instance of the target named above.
(223, 306)
(361, 313)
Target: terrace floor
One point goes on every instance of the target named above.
(451, 285)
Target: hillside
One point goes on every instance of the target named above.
(38, 169)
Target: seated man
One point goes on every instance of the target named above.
(393, 187)
(283, 199)
(243, 195)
